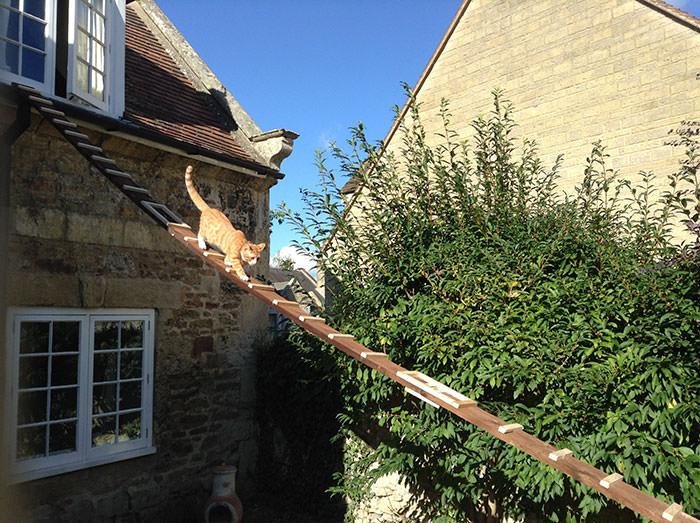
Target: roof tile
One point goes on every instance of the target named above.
(161, 98)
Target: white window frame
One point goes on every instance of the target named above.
(85, 455)
(47, 85)
(115, 56)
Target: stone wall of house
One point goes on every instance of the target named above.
(76, 241)
(576, 72)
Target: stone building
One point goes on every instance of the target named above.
(621, 71)
(127, 367)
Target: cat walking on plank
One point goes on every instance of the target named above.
(216, 229)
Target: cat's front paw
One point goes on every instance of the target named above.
(244, 277)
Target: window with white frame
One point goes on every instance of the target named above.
(80, 389)
(68, 48)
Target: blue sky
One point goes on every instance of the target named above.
(317, 67)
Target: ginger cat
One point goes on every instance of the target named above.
(215, 228)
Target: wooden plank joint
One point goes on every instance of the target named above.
(436, 389)
(334, 335)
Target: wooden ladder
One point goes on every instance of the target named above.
(415, 383)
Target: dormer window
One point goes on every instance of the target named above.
(24, 39)
(90, 50)
(72, 49)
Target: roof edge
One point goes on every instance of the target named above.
(674, 13)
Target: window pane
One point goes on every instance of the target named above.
(32, 407)
(33, 33)
(64, 403)
(83, 15)
(31, 442)
(105, 367)
(98, 85)
(35, 7)
(62, 437)
(103, 430)
(130, 395)
(66, 336)
(104, 399)
(81, 76)
(64, 370)
(132, 334)
(106, 332)
(9, 57)
(130, 364)
(33, 371)
(32, 65)
(82, 44)
(130, 426)
(34, 337)
(99, 5)
(98, 30)
(98, 56)
(9, 23)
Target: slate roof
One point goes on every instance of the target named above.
(160, 98)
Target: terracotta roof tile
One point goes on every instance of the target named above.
(159, 97)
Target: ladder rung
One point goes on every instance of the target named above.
(609, 480)
(40, 100)
(102, 159)
(511, 427)
(435, 388)
(133, 188)
(121, 174)
(558, 454)
(53, 112)
(333, 335)
(260, 286)
(284, 302)
(212, 253)
(374, 354)
(76, 134)
(672, 511)
(27, 89)
(311, 318)
(90, 147)
(421, 397)
(64, 123)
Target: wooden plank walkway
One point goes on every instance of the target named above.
(419, 385)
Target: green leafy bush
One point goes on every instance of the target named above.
(574, 315)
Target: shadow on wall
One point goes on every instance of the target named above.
(297, 408)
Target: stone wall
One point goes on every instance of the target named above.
(75, 241)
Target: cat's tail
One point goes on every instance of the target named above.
(192, 191)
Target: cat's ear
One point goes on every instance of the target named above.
(260, 246)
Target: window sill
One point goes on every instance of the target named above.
(72, 467)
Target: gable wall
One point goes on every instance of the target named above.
(576, 72)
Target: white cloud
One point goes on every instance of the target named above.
(301, 259)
